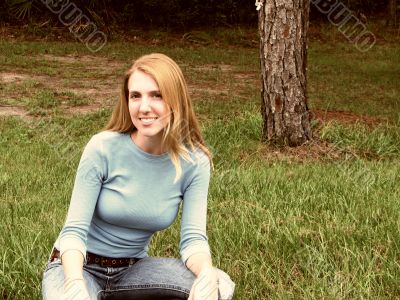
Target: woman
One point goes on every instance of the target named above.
(130, 182)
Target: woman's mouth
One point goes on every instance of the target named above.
(148, 120)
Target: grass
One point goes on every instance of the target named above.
(379, 69)
(282, 227)
(382, 141)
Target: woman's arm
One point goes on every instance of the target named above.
(72, 240)
(88, 183)
(194, 239)
(197, 262)
(72, 261)
(74, 283)
(194, 246)
(205, 287)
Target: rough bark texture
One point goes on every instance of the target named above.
(283, 26)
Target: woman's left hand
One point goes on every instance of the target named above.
(205, 287)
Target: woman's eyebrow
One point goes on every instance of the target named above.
(155, 92)
(132, 93)
(150, 92)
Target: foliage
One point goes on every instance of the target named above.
(170, 13)
(367, 6)
(167, 13)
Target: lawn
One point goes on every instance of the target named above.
(317, 222)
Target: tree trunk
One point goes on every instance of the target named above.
(283, 26)
(392, 13)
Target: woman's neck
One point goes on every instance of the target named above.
(151, 145)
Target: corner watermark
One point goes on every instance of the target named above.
(78, 23)
(352, 28)
(343, 18)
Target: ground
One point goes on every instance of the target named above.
(318, 221)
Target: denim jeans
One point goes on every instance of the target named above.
(149, 278)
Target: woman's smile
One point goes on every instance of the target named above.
(148, 120)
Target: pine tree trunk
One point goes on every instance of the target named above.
(283, 26)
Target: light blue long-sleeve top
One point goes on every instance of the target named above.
(123, 195)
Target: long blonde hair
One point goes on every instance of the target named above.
(182, 133)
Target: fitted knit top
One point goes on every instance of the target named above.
(122, 195)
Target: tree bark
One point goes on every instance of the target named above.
(283, 26)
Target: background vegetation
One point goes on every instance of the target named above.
(317, 222)
(175, 14)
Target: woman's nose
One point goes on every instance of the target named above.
(144, 105)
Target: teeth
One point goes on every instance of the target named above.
(148, 121)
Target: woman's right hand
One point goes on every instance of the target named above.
(75, 289)
(205, 286)
(74, 284)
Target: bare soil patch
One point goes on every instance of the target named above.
(14, 111)
(199, 90)
(68, 59)
(247, 76)
(88, 60)
(12, 77)
(83, 109)
(213, 67)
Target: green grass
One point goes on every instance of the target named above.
(342, 78)
(281, 228)
(382, 141)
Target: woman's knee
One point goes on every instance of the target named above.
(53, 281)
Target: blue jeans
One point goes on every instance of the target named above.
(149, 278)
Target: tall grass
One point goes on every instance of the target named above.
(282, 229)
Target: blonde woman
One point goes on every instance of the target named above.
(131, 180)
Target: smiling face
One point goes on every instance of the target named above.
(148, 111)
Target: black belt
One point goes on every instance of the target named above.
(103, 261)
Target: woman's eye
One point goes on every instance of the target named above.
(137, 97)
(134, 96)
